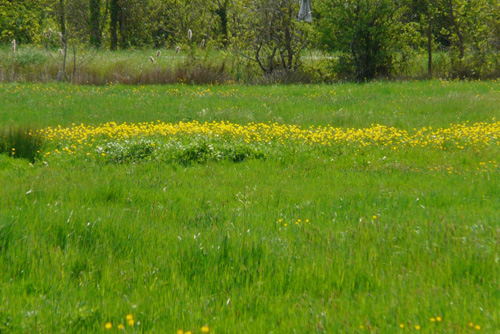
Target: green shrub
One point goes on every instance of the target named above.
(202, 151)
(127, 151)
(199, 151)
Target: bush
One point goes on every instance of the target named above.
(199, 151)
(127, 151)
(363, 32)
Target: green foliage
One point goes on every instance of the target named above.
(465, 29)
(368, 34)
(22, 20)
(127, 151)
(470, 34)
(184, 152)
(159, 23)
(270, 35)
(20, 143)
(95, 23)
(365, 39)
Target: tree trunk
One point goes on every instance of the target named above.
(95, 19)
(122, 21)
(429, 49)
(221, 11)
(113, 24)
(62, 17)
(73, 74)
(461, 48)
(62, 70)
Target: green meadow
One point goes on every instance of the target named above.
(289, 238)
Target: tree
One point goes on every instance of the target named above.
(114, 13)
(62, 16)
(494, 37)
(95, 23)
(425, 13)
(365, 32)
(160, 21)
(269, 34)
(222, 12)
(469, 26)
(22, 20)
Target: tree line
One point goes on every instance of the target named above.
(367, 38)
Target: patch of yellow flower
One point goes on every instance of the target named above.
(459, 136)
(129, 320)
(204, 329)
(296, 222)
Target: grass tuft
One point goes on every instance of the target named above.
(20, 143)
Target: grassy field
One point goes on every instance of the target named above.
(369, 208)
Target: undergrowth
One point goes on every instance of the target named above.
(196, 66)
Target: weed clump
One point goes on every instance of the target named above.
(20, 143)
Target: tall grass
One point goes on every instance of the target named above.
(30, 64)
(20, 142)
(308, 240)
(222, 245)
(196, 66)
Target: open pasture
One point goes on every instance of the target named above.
(369, 208)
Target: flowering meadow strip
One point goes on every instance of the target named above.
(476, 135)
